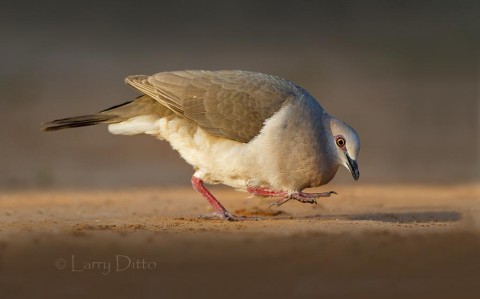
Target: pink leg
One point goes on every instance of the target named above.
(300, 196)
(220, 210)
(266, 192)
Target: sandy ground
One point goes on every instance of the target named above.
(369, 241)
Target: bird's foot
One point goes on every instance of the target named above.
(280, 202)
(300, 196)
(227, 216)
(220, 211)
(303, 197)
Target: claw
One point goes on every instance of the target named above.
(227, 216)
(308, 200)
(280, 202)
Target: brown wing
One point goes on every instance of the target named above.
(230, 104)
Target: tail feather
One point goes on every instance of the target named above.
(79, 121)
(142, 105)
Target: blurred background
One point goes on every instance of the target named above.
(404, 74)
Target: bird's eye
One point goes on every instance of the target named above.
(341, 142)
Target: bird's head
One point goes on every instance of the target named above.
(346, 144)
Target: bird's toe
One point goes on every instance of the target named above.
(226, 216)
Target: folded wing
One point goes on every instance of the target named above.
(230, 104)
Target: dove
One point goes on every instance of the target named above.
(251, 131)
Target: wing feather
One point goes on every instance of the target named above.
(230, 104)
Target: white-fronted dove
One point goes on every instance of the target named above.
(251, 131)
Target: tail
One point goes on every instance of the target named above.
(142, 105)
(107, 116)
(79, 121)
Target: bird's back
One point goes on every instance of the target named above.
(229, 104)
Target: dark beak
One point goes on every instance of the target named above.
(353, 166)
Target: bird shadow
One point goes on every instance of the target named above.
(400, 217)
